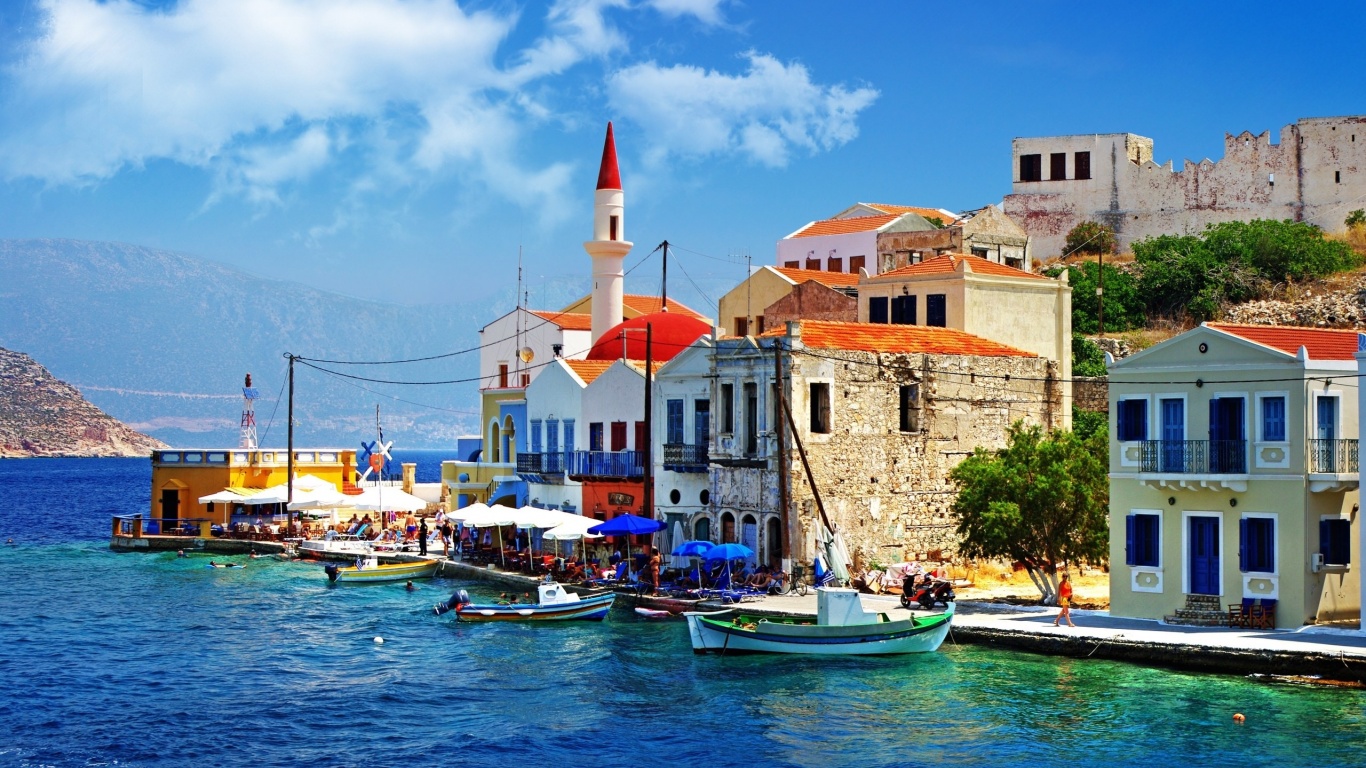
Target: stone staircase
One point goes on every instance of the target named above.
(1200, 611)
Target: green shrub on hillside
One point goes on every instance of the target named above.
(1088, 359)
(1232, 262)
(1124, 305)
(1356, 218)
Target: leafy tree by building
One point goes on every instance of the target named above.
(1041, 501)
(1356, 219)
(1089, 237)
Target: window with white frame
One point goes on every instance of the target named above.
(1131, 419)
(1143, 540)
(1257, 544)
(1271, 420)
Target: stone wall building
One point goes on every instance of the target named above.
(884, 412)
(1314, 174)
(743, 311)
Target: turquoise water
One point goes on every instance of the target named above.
(150, 660)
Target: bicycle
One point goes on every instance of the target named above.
(797, 582)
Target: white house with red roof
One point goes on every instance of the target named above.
(1234, 478)
(877, 238)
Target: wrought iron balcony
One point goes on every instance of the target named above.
(1332, 456)
(627, 465)
(682, 457)
(541, 463)
(1194, 457)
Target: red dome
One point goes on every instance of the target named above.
(670, 332)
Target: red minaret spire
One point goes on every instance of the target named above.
(608, 175)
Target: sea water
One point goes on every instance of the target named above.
(155, 660)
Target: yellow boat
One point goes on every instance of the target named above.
(368, 570)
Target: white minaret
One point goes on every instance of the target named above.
(608, 248)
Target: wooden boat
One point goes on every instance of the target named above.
(555, 604)
(651, 613)
(841, 627)
(368, 570)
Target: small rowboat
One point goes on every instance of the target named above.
(652, 613)
(368, 570)
(555, 605)
(841, 627)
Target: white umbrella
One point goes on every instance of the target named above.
(573, 528)
(465, 513)
(323, 498)
(388, 500)
(676, 561)
(491, 517)
(224, 496)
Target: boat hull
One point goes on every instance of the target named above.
(423, 569)
(711, 633)
(593, 608)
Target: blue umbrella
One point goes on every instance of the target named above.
(628, 524)
(729, 552)
(693, 549)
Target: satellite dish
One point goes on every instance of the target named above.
(526, 354)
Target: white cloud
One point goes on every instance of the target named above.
(762, 114)
(706, 11)
(265, 93)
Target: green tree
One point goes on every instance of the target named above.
(1088, 359)
(1089, 237)
(1124, 304)
(1041, 501)
(1356, 218)
(1089, 423)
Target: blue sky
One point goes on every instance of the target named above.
(404, 150)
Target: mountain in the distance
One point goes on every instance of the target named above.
(42, 416)
(161, 341)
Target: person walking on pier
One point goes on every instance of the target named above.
(1064, 601)
(422, 538)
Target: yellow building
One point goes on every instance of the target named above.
(180, 477)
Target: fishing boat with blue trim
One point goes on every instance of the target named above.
(842, 626)
(368, 570)
(555, 604)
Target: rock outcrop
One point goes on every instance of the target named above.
(43, 416)
(1343, 307)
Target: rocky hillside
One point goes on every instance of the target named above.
(1341, 304)
(43, 416)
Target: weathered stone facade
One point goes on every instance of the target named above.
(1312, 175)
(813, 301)
(988, 233)
(881, 469)
(1091, 393)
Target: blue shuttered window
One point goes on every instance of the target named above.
(1142, 541)
(675, 422)
(595, 436)
(535, 435)
(1131, 422)
(552, 436)
(568, 435)
(1273, 419)
(877, 309)
(1335, 541)
(936, 310)
(1257, 545)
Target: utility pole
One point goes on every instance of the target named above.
(1100, 293)
(664, 281)
(782, 451)
(289, 466)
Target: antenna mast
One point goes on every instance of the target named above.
(249, 395)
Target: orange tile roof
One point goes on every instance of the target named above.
(949, 263)
(648, 304)
(588, 369)
(639, 365)
(928, 213)
(832, 279)
(845, 226)
(876, 337)
(569, 321)
(1322, 343)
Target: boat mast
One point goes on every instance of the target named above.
(289, 467)
(649, 428)
(783, 516)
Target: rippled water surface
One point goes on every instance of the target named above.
(140, 660)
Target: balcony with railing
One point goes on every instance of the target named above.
(606, 465)
(1213, 464)
(682, 457)
(1333, 465)
(544, 468)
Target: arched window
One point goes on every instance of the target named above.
(701, 529)
(773, 541)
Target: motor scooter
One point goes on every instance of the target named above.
(926, 592)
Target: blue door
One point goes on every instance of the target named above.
(1204, 555)
(1173, 434)
(1325, 434)
(1227, 444)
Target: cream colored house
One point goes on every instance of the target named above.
(995, 301)
(1233, 475)
(741, 311)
